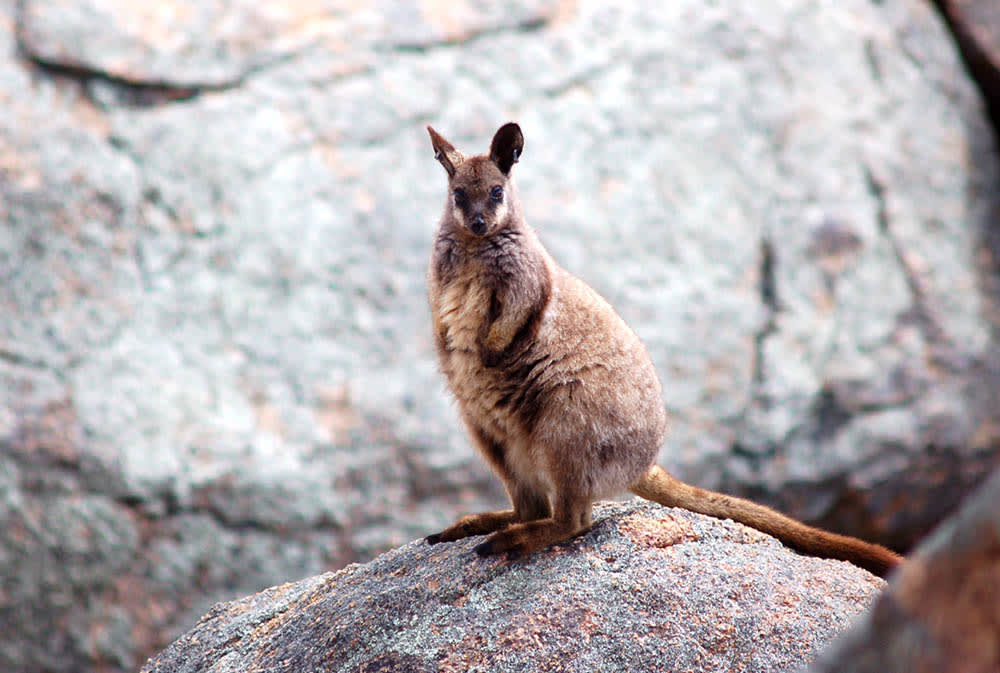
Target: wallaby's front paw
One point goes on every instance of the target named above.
(473, 524)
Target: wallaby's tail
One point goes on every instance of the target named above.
(659, 486)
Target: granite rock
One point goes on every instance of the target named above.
(647, 589)
(215, 353)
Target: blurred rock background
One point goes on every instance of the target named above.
(216, 371)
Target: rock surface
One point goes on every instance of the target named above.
(216, 370)
(941, 613)
(648, 589)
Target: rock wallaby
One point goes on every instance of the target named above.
(556, 391)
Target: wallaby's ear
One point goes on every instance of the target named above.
(445, 152)
(506, 147)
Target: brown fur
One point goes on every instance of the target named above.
(558, 394)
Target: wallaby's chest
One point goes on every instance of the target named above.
(461, 317)
(461, 313)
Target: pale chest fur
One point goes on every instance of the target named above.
(461, 315)
(462, 307)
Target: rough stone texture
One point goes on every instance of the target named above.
(647, 589)
(976, 26)
(216, 44)
(216, 369)
(941, 613)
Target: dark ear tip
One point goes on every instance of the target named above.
(507, 146)
(512, 131)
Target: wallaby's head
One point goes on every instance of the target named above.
(480, 186)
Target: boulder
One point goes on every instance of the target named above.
(216, 363)
(941, 612)
(647, 589)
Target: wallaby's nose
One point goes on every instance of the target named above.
(478, 224)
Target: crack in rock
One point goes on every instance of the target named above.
(529, 25)
(14, 358)
(769, 301)
(919, 311)
(123, 91)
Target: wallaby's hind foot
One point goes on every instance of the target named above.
(474, 524)
(525, 537)
(530, 536)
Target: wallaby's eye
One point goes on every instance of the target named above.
(459, 196)
(497, 193)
